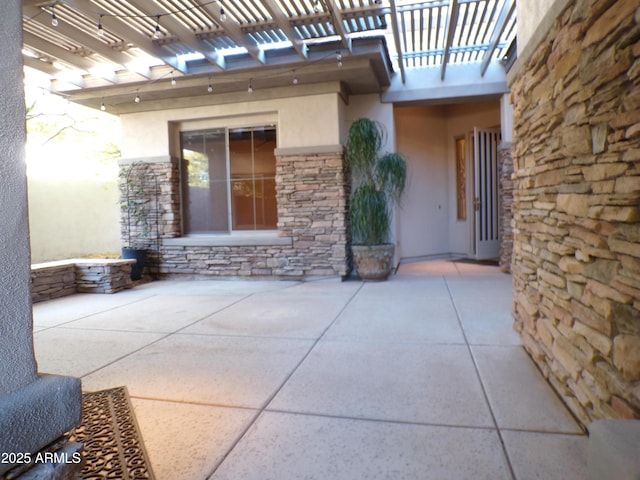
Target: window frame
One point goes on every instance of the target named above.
(198, 126)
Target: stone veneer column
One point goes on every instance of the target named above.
(165, 172)
(505, 173)
(311, 189)
(576, 256)
(34, 410)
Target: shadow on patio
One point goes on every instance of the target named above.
(420, 377)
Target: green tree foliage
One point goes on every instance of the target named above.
(378, 182)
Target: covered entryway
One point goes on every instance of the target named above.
(451, 203)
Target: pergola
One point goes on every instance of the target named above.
(122, 49)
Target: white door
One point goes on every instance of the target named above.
(486, 227)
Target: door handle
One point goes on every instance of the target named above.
(476, 204)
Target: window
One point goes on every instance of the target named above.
(229, 180)
(461, 178)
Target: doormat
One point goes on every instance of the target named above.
(112, 445)
(493, 262)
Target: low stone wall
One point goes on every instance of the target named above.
(58, 279)
(103, 276)
(576, 265)
(52, 280)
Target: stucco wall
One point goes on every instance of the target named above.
(423, 215)
(18, 367)
(530, 14)
(73, 218)
(369, 106)
(425, 136)
(302, 121)
(34, 410)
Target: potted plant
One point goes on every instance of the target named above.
(137, 187)
(378, 181)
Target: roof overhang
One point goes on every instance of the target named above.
(366, 70)
(463, 83)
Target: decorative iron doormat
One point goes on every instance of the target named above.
(112, 445)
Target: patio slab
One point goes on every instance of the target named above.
(162, 314)
(399, 312)
(78, 352)
(285, 314)
(428, 268)
(398, 382)
(228, 371)
(418, 377)
(506, 372)
(536, 455)
(187, 441)
(285, 446)
(480, 285)
(205, 286)
(483, 320)
(63, 310)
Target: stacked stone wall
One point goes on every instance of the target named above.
(228, 261)
(52, 281)
(311, 194)
(65, 277)
(505, 180)
(576, 256)
(154, 192)
(103, 276)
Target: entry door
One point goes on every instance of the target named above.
(486, 227)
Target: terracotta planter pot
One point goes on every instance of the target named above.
(373, 262)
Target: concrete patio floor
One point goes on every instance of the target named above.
(419, 377)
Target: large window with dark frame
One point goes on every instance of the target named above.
(229, 180)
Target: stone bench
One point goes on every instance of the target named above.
(85, 275)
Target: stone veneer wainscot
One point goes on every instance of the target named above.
(311, 192)
(576, 257)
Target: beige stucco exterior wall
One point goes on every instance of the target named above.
(426, 137)
(423, 218)
(302, 122)
(370, 106)
(73, 218)
(530, 14)
(306, 121)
